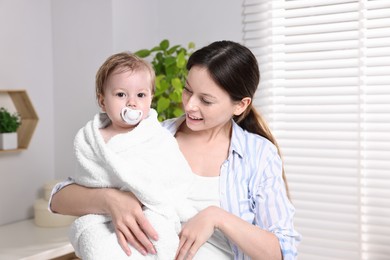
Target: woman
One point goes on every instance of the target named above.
(241, 193)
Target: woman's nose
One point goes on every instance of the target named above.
(191, 104)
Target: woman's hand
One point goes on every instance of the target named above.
(129, 221)
(196, 231)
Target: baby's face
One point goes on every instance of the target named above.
(126, 89)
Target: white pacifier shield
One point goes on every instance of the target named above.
(130, 116)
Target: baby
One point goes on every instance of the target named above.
(125, 147)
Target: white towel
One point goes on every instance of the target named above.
(146, 161)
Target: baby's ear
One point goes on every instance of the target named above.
(242, 105)
(101, 102)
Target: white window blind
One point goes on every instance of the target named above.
(325, 90)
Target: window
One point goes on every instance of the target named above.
(325, 91)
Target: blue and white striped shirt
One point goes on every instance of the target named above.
(252, 187)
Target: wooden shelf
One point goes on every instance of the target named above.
(28, 116)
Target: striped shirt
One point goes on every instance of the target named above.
(252, 187)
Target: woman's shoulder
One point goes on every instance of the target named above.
(256, 156)
(251, 143)
(256, 152)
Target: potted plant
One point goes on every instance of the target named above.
(169, 64)
(9, 124)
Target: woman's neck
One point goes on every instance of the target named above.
(208, 135)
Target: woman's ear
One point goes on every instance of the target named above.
(101, 102)
(242, 105)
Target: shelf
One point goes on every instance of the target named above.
(25, 240)
(28, 116)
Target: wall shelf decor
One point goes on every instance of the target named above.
(29, 117)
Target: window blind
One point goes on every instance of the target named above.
(325, 90)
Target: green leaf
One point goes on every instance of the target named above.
(171, 71)
(176, 83)
(157, 48)
(164, 45)
(158, 68)
(162, 104)
(169, 61)
(158, 83)
(175, 97)
(191, 45)
(173, 49)
(164, 84)
(142, 53)
(178, 111)
(181, 60)
(159, 57)
(161, 86)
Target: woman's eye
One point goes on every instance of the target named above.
(206, 102)
(186, 90)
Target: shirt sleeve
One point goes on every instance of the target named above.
(57, 188)
(275, 212)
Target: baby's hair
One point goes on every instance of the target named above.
(122, 62)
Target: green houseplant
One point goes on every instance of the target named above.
(169, 64)
(9, 124)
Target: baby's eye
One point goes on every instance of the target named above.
(120, 94)
(141, 95)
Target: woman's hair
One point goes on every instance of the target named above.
(234, 68)
(122, 62)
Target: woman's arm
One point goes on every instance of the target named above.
(252, 240)
(256, 243)
(77, 200)
(128, 218)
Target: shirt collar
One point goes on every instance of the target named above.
(173, 124)
(238, 137)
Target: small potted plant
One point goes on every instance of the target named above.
(9, 124)
(169, 64)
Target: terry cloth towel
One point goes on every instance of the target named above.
(146, 161)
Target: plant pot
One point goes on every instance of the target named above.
(8, 141)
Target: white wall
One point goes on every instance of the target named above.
(143, 24)
(52, 48)
(82, 39)
(26, 63)
(201, 21)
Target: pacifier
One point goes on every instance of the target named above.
(131, 116)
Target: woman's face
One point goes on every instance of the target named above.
(207, 105)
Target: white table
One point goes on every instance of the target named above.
(24, 240)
